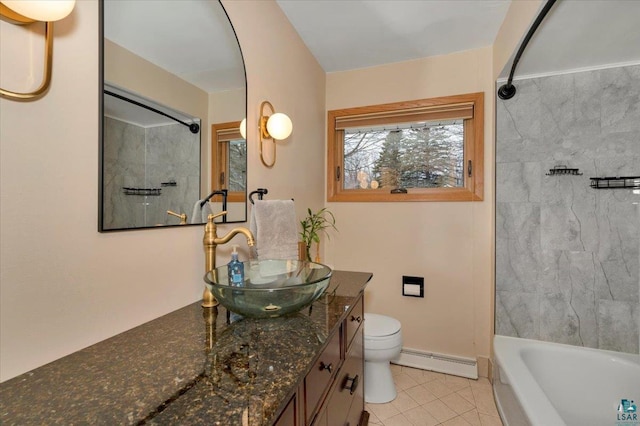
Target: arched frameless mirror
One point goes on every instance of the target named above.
(173, 77)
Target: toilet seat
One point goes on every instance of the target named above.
(379, 326)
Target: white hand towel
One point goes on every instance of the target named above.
(273, 223)
(200, 214)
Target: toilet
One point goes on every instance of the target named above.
(382, 343)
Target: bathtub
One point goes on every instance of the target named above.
(550, 384)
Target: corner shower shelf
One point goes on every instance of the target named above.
(615, 182)
(142, 191)
(563, 170)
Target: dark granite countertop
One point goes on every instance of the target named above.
(187, 367)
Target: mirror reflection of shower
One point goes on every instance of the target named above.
(151, 157)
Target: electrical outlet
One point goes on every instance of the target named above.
(412, 286)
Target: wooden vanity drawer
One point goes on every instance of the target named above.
(289, 415)
(354, 321)
(346, 402)
(317, 381)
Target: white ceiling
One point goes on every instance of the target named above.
(352, 34)
(189, 38)
(345, 35)
(580, 34)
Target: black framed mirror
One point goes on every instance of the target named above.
(171, 72)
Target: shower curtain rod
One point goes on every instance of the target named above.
(508, 90)
(193, 127)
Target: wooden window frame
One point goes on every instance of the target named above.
(219, 156)
(473, 189)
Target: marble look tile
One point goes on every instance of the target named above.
(517, 246)
(526, 102)
(570, 319)
(520, 182)
(517, 314)
(568, 271)
(621, 99)
(570, 104)
(581, 252)
(569, 223)
(619, 325)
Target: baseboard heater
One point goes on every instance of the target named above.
(448, 364)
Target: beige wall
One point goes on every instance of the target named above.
(64, 286)
(447, 243)
(280, 69)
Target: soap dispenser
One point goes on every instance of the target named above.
(236, 270)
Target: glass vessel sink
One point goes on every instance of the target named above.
(271, 288)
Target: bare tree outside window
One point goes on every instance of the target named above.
(427, 156)
(237, 165)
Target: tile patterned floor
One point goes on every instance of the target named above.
(426, 398)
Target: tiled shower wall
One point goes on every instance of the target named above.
(567, 255)
(144, 158)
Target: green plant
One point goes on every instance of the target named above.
(313, 225)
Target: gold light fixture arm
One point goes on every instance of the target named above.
(264, 134)
(15, 18)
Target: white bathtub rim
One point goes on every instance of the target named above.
(507, 351)
(527, 390)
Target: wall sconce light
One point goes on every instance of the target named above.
(243, 128)
(23, 12)
(277, 126)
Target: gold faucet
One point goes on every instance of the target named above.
(210, 242)
(183, 216)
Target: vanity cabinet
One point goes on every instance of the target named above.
(332, 392)
(194, 367)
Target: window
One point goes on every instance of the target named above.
(424, 150)
(228, 159)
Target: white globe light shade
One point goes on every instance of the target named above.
(41, 10)
(243, 128)
(279, 126)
